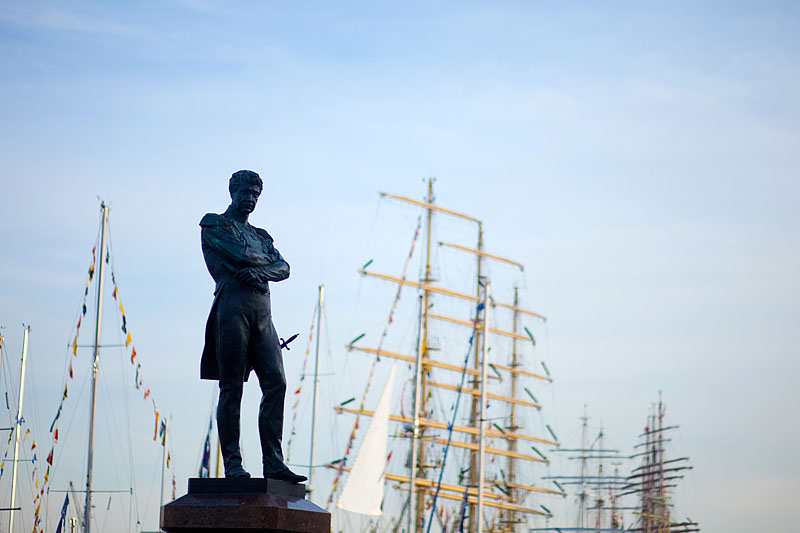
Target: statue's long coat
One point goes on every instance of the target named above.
(228, 249)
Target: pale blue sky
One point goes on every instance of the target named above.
(640, 159)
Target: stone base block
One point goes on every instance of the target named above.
(244, 506)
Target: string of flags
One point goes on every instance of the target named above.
(139, 381)
(39, 482)
(352, 437)
(300, 387)
(54, 425)
(140, 384)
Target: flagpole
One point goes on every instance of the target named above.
(18, 426)
(87, 526)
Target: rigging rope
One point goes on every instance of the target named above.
(478, 310)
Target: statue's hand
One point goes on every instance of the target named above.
(247, 275)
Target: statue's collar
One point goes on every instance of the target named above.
(230, 215)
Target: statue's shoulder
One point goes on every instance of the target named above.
(263, 234)
(211, 220)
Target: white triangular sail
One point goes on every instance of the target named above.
(363, 490)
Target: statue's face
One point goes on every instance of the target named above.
(244, 199)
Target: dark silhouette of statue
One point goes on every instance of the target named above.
(240, 336)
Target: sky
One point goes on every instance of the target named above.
(640, 159)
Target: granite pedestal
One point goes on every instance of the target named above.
(244, 505)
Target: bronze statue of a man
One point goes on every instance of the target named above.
(240, 336)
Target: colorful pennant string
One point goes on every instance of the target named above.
(352, 437)
(139, 383)
(300, 388)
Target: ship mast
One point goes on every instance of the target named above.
(599, 502)
(420, 418)
(96, 361)
(473, 463)
(18, 426)
(584, 458)
(316, 385)
(512, 443)
(413, 519)
(653, 480)
(661, 494)
(482, 438)
(590, 482)
(420, 393)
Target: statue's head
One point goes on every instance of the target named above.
(245, 178)
(245, 187)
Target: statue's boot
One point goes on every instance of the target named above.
(228, 429)
(233, 461)
(270, 430)
(278, 470)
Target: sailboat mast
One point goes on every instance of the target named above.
(320, 300)
(484, 366)
(18, 426)
(96, 361)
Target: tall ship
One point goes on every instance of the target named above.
(609, 491)
(593, 474)
(655, 478)
(449, 432)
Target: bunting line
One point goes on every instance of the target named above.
(54, 425)
(300, 387)
(139, 384)
(389, 321)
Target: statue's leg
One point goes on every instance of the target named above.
(268, 366)
(232, 336)
(267, 363)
